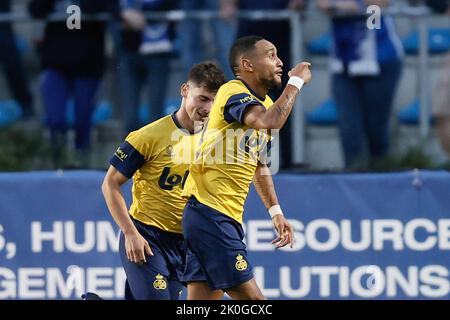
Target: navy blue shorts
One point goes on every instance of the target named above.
(159, 277)
(216, 253)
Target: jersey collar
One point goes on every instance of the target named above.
(178, 124)
(175, 120)
(250, 89)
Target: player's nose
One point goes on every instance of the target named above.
(207, 108)
(279, 62)
(204, 112)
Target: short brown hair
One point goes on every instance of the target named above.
(207, 74)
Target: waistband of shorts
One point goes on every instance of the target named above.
(157, 230)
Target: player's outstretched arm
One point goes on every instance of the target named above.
(136, 246)
(263, 182)
(258, 117)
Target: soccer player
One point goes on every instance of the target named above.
(218, 183)
(152, 248)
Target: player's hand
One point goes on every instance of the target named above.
(137, 248)
(302, 70)
(284, 230)
(134, 19)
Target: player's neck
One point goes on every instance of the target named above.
(184, 120)
(255, 86)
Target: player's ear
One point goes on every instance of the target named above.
(247, 65)
(184, 90)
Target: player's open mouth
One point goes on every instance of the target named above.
(279, 73)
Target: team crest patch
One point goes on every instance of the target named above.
(159, 283)
(241, 264)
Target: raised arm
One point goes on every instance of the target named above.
(258, 117)
(262, 180)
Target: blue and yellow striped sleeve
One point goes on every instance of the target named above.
(132, 154)
(237, 105)
(127, 159)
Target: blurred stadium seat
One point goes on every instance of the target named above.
(410, 114)
(22, 45)
(171, 105)
(324, 114)
(102, 113)
(320, 45)
(438, 41)
(10, 112)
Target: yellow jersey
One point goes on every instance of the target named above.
(229, 152)
(157, 156)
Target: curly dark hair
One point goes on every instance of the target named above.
(207, 74)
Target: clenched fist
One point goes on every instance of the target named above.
(302, 70)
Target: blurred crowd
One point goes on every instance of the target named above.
(366, 65)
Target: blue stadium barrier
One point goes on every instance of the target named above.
(323, 115)
(358, 236)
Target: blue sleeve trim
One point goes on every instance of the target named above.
(127, 159)
(236, 107)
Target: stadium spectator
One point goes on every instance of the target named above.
(441, 95)
(72, 62)
(193, 42)
(147, 48)
(278, 32)
(12, 65)
(366, 66)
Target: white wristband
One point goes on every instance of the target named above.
(274, 210)
(296, 82)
